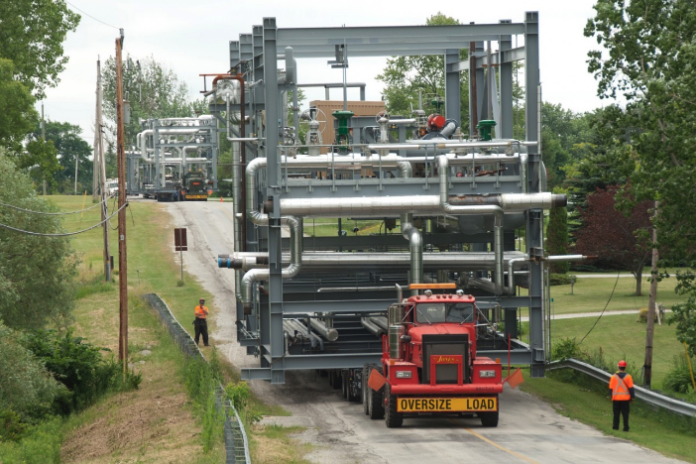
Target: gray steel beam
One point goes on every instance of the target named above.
(535, 218)
(452, 87)
(246, 47)
(480, 83)
(507, 56)
(390, 240)
(506, 123)
(234, 53)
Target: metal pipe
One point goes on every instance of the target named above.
(371, 327)
(511, 272)
(328, 333)
(380, 321)
(399, 294)
(415, 240)
(354, 289)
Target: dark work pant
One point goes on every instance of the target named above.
(201, 327)
(622, 408)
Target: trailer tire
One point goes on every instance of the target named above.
(392, 418)
(366, 404)
(376, 400)
(489, 419)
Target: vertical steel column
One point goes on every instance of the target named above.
(480, 81)
(535, 217)
(272, 328)
(155, 145)
(452, 86)
(215, 138)
(234, 53)
(505, 87)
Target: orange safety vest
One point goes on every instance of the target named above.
(620, 387)
(201, 311)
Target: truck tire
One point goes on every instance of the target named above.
(392, 418)
(489, 419)
(376, 399)
(366, 374)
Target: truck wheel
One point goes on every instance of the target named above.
(376, 400)
(489, 419)
(391, 417)
(366, 374)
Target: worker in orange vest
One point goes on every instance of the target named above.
(200, 325)
(622, 393)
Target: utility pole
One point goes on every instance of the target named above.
(100, 171)
(650, 329)
(122, 256)
(43, 136)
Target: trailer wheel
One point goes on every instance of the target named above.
(391, 417)
(376, 400)
(489, 419)
(366, 374)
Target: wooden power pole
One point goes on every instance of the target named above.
(100, 173)
(122, 256)
(652, 302)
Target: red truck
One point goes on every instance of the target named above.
(429, 364)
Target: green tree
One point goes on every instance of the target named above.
(650, 61)
(17, 113)
(40, 159)
(36, 273)
(31, 35)
(152, 90)
(405, 76)
(69, 145)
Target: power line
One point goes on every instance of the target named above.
(84, 12)
(65, 234)
(53, 214)
(605, 308)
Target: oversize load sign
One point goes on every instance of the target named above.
(446, 404)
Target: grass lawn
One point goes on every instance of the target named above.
(648, 427)
(328, 227)
(151, 268)
(621, 337)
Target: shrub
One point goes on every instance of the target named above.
(643, 315)
(559, 279)
(80, 367)
(41, 445)
(679, 378)
(26, 387)
(566, 349)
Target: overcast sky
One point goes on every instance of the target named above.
(192, 37)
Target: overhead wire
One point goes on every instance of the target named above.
(89, 15)
(605, 308)
(55, 214)
(66, 234)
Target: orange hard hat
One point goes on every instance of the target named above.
(622, 363)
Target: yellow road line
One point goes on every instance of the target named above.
(491, 442)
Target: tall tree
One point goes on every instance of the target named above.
(152, 90)
(557, 238)
(69, 146)
(405, 76)
(617, 239)
(650, 61)
(31, 35)
(36, 273)
(17, 113)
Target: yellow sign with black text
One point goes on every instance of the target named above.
(481, 404)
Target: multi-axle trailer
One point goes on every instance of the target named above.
(451, 200)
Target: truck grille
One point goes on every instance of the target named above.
(449, 344)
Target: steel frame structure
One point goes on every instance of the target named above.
(256, 56)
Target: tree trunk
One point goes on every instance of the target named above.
(639, 281)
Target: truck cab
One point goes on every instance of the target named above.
(429, 361)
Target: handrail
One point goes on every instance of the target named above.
(651, 397)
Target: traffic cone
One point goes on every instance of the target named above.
(221, 200)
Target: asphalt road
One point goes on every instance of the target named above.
(530, 431)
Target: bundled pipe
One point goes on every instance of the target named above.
(371, 327)
(328, 333)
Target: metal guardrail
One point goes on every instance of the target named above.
(644, 394)
(236, 442)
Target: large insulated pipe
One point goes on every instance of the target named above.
(328, 333)
(415, 243)
(294, 224)
(371, 327)
(495, 210)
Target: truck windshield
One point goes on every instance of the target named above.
(432, 313)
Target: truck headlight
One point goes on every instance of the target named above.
(403, 374)
(486, 374)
